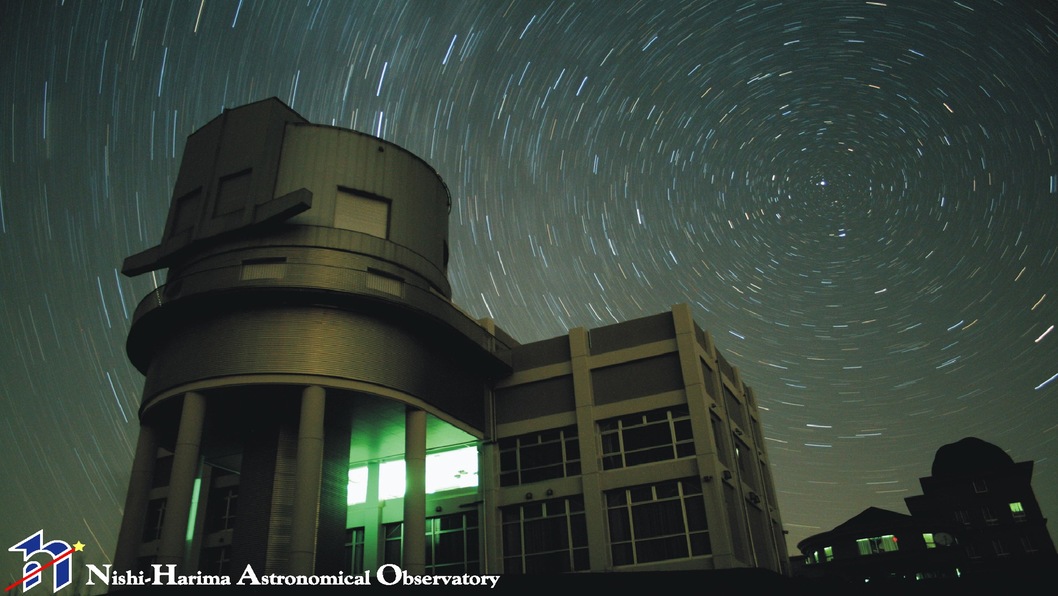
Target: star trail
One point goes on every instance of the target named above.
(859, 200)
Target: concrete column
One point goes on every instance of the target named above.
(131, 532)
(415, 491)
(594, 503)
(708, 459)
(182, 480)
(309, 474)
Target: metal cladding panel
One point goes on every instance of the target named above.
(324, 159)
(246, 141)
(532, 400)
(320, 342)
(638, 378)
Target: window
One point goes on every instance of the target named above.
(734, 407)
(361, 213)
(152, 526)
(233, 192)
(187, 211)
(980, 486)
(828, 555)
(744, 456)
(962, 516)
(357, 491)
(445, 470)
(718, 439)
(451, 544)
(877, 545)
(656, 522)
(927, 537)
(263, 268)
(989, 517)
(646, 437)
(545, 537)
(384, 282)
(1000, 548)
(216, 560)
(354, 550)
(1017, 511)
(1026, 543)
(539, 456)
(223, 502)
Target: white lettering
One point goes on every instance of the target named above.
(248, 573)
(170, 575)
(103, 576)
(381, 574)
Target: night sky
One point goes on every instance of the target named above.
(859, 200)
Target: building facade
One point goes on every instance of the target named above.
(881, 546)
(314, 402)
(977, 521)
(987, 499)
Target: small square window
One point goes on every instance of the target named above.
(360, 213)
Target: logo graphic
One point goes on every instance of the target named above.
(60, 559)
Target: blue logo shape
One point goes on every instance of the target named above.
(60, 559)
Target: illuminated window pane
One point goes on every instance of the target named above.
(877, 545)
(391, 480)
(357, 486)
(452, 469)
(1017, 511)
(447, 470)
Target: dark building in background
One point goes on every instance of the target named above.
(987, 498)
(977, 521)
(878, 546)
(314, 402)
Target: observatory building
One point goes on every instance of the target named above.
(314, 402)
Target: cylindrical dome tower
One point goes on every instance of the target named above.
(306, 316)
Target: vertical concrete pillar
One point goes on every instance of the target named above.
(415, 491)
(709, 466)
(182, 480)
(594, 503)
(309, 474)
(131, 532)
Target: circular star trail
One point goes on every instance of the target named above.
(858, 200)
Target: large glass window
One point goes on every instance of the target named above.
(646, 437)
(445, 470)
(539, 456)
(877, 544)
(656, 522)
(545, 537)
(451, 543)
